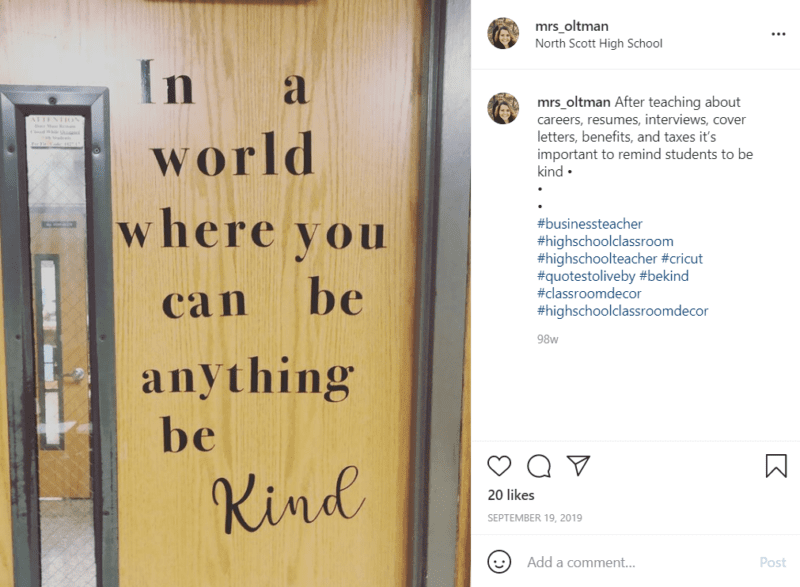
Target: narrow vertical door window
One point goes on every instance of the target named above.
(56, 179)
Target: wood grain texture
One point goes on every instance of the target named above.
(6, 550)
(66, 472)
(361, 62)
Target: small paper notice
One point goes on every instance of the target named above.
(65, 132)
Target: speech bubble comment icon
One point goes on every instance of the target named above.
(539, 466)
(499, 465)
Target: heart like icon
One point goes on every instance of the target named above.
(499, 465)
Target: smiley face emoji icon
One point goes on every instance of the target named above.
(499, 561)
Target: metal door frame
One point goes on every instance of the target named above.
(16, 102)
(442, 281)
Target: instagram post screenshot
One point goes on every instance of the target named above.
(633, 290)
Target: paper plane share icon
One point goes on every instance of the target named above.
(579, 462)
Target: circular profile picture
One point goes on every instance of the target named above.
(503, 33)
(503, 108)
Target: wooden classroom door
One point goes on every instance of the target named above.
(265, 194)
(58, 261)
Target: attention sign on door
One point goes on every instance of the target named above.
(64, 132)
